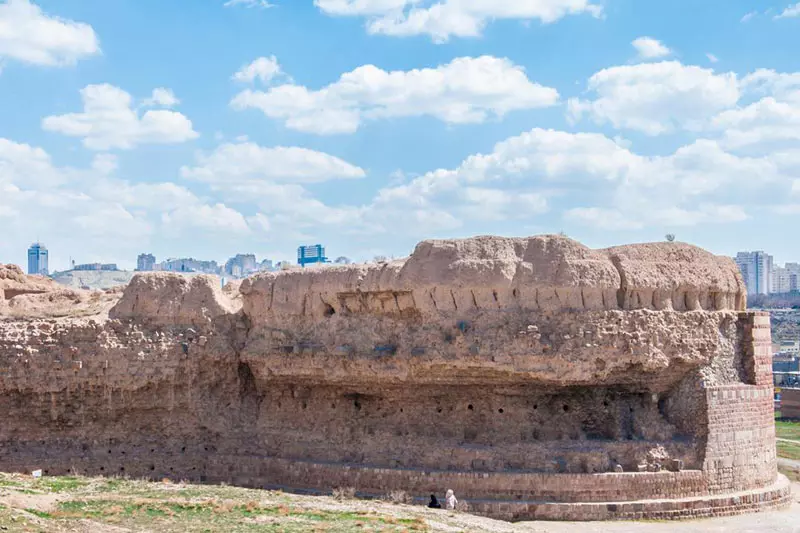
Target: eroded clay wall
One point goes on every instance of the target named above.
(508, 369)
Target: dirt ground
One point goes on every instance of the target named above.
(115, 505)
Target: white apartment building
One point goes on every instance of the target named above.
(756, 269)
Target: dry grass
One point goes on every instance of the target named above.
(69, 503)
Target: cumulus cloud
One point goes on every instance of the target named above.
(242, 162)
(109, 121)
(790, 12)
(162, 97)
(656, 98)
(607, 185)
(765, 121)
(649, 48)
(90, 213)
(466, 90)
(712, 58)
(29, 35)
(216, 218)
(442, 19)
(263, 68)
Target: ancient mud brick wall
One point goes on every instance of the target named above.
(511, 370)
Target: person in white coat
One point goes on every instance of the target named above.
(450, 500)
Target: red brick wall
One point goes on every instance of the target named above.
(740, 447)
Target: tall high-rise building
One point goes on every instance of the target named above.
(145, 262)
(756, 269)
(38, 259)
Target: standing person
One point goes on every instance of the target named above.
(450, 500)
(434, 503)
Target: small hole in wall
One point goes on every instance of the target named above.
(439, 410)
(102, 468)
(333, 406)
(171, 469)
(122, 469)
(500, 410)
(566, 408)
(152, 467)
(470, 407)
(152, 450)
(535, 406)
(401, 409)
(605, 403)
(305, 405)
(630, 408)
(329, 310)
(279, 405)
(357, 405)
(183, 449)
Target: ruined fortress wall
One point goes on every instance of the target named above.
(522, 373)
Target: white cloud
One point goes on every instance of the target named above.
(712, 58)
(90, 214)
(466, 90)
(601, 218)
(238, 163)
(162, 97)
(604, 184)
(443, 19)
(765, 121)
(790, 12)
(263, 68)
(109, 121)
(217, 217)
(649, 48)
(656, 98)
(749, 16)
(105, 163)
(263, 4)
(30, 36)
(783, 86)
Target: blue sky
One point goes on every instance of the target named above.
(209, 128)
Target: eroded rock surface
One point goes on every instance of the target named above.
(511, 369)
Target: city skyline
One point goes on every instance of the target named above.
(612, 120)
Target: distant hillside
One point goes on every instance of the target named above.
(92, 279)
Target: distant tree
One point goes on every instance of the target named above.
(380, 259)
(562, 233)
(342, 260)
(670, 237)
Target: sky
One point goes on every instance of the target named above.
(214, 127)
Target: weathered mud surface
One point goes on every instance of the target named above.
(486, 357)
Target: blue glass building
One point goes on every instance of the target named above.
(37, 259)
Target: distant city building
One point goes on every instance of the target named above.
(112, 267)
(789, 347)
(145, 262)
(189, 265)
(786, 279)
(38, 259)
(756, 269)
(307, 255)
(241, 265)
(266, 266)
